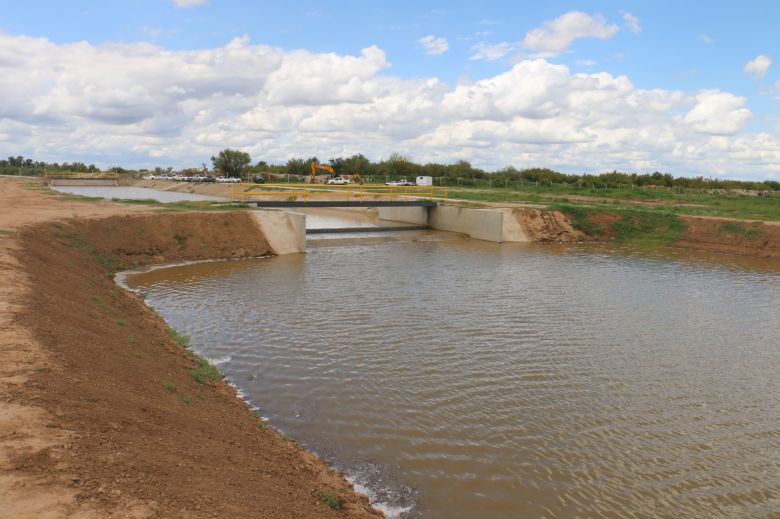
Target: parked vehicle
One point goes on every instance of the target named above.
(402, 182)
(424, 181)
(257, 179)
(150, 177)
(339, 181)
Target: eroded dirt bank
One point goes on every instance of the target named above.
(741, 237)
(100, 414)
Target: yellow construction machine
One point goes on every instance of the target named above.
(315, 166)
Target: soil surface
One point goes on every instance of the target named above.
(729, 236)
(100, 413)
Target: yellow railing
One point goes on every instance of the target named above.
(108, 175)
(304, 192)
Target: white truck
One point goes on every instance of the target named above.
(424, 181)
(338, 181)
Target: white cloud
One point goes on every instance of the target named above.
(554, 37)
(141, 105)
(488, 52)
(586, 62)
(718, 113)
(758, 66)
(433, 45)
(189, 3)
(706, 39)
(632, 22)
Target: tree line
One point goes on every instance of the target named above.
(238, 163)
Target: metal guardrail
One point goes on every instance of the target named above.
(305, 192)
(110, 176)
(52, 178)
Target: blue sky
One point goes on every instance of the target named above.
(675, 46)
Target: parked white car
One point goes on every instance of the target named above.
(150, 177)
(402, 182)
(339, 181)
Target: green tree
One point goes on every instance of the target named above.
(231, 162)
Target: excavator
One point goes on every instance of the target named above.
(315, 166)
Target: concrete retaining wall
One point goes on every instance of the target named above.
(412, 215)
(482, 224)
(285, 232)
(497, 225)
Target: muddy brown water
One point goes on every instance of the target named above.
(135, 193)
(457, 378)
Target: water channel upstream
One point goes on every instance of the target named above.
(458, 378)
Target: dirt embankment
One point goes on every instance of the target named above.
(740, 237)
(544, 226)
(101, 410)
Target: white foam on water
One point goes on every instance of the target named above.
(217, 360)
(390, 511)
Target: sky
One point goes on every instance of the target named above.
(689, 88)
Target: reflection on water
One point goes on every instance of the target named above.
(469, 379)
(134, 193)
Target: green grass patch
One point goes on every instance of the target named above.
(178, 337)
(170, 386)
(640, 227)
(332, 499)
(204, 371)
(186, 399)
(648, 228)
(181, 239)
(81, 198)
(7, 232)
(740, 230)
(690, 203)
(120, 322)
(580, 218)
(76, 241)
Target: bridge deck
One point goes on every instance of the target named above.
(341, 203)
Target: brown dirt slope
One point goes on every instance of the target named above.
(542, 226)
(740, 237)
(99, 414)
(143, 427)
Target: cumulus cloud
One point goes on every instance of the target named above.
(141, 105)
(718, 113)
(632, 22)
(706, 39)
(189, 3)
(490, 52)
(758, 66)
(433, 45)
(555, 36)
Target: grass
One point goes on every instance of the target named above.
(81, 198)
(170, 386)
(181, 239)
(120, 322)
(640, 227)
(332, 499)
(663, 200)
(739, 230)
(178, 337)
(186, 399)
(75, 240)
(7, 232)
(204, 371)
